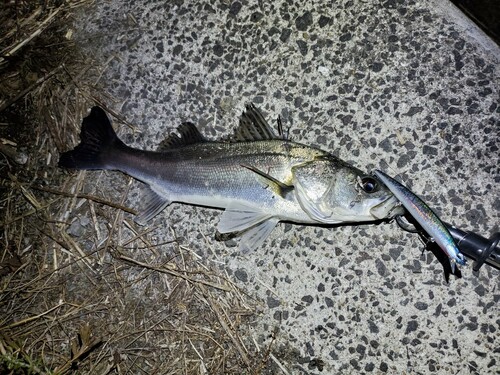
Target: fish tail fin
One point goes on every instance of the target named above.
(97, 141)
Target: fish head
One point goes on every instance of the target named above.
(332, 191)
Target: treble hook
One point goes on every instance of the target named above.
(474, 246)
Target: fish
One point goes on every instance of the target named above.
(257, 177)
(426, 217)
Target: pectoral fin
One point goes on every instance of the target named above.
(278, 187)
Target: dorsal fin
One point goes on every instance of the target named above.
(253, 127)
(189, 134)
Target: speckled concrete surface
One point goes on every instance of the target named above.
(397, 85)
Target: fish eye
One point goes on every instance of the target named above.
(368, 184)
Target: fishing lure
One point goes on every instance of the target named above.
(424, 215)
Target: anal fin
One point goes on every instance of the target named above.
(155, 203)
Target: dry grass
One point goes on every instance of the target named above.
(82, 289)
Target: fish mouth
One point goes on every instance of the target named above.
(388, 209)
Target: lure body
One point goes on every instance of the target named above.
(424, 215)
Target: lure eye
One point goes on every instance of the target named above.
(368, 184)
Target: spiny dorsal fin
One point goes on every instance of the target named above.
(253, 127)
(189, 134)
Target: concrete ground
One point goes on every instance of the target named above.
(409, 87)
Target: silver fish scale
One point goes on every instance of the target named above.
(209, 168)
